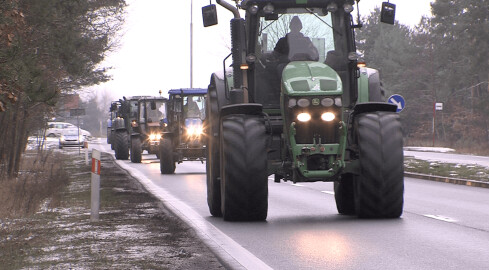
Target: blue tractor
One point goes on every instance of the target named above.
(183, 138)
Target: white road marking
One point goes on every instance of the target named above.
(328, 192)
(297, 185)
(442, 218)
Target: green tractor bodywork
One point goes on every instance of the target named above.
(184, 136)
(310, 114)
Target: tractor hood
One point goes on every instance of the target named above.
(308, 78)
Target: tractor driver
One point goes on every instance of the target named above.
(191, 108)
(295, 46)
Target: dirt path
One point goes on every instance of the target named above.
(134, 232)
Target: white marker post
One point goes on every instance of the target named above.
(95, 184)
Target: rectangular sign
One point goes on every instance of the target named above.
(439, 106)
(77, 112)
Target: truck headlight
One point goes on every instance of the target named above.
(304, 117)
(328, 116)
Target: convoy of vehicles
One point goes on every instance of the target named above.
(299, 106)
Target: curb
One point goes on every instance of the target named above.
(457, 181)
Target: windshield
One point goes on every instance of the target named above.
(158, 113)
(193, 107)
(297, 36)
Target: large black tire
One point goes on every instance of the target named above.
(379, 189)
(344, 195)
(244, 180)
(167, 163)
(136, 150)
(121, 146)
(212, 161)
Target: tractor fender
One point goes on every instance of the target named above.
(373, 107)
(244, 108)
(119, 124)
(370, 87)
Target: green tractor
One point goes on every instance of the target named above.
(127, 112)
(147, 127)
(299, 106)
(184, 135)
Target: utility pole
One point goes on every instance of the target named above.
(191, 44)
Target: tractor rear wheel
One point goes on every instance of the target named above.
(344, 195)
(121, 146)
(212, 161)
(167, 164)
(136, 150)
(379, 189)
(243, 162)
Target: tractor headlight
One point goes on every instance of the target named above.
(328, 116)
(154, 137)
(304, 117)
(337, 102)
(303, 102)
(195, 131)
(292, 102)
(327, 102)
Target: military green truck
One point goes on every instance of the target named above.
(298, 105)
(183, 138)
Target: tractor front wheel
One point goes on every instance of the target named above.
(121, 146)
(167, 164)
(136, 150)
(379, 189)
(243, 162)
(344, 195)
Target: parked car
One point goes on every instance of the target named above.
(70, 137)
(55, 129)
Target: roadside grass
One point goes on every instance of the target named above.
(41, 175)
(135, 231)
(470, 172)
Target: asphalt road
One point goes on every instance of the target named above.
(444, 226)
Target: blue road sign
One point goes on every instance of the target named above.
(397, 100)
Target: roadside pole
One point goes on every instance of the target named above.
(85, 145)
(95, 185)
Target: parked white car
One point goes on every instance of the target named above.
(56, 129)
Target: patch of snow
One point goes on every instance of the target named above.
(429, 149)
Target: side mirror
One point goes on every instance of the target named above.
(388, 13)
(209, 15)
(153, 105)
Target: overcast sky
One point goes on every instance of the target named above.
(154, 52)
